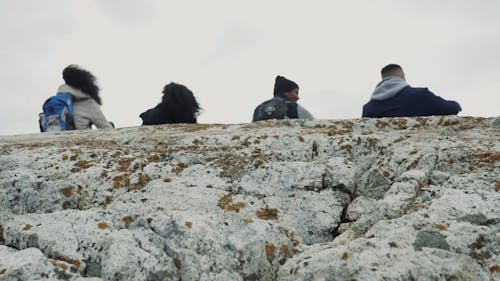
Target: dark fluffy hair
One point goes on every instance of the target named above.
(82, 80)
(178, 105)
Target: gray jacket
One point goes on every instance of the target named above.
(87, 111)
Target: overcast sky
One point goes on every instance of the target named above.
(229, 52)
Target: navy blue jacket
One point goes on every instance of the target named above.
(411, 102)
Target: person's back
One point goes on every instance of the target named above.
(394, 98)
(178, 106)
(283, 104)
(81, 84)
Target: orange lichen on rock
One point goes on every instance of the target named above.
(124, 163)
(285, 250)
(116, 154)
(270, 251)
(226, 203)
(82, 164)
(68, 191)
(142, 180)
(372, 141)
(347, 147)
(60, 265)
(335, 131)
(441, 227)
(74, 156)
(258, 162)
(400, 123)
(267, 213)
(178, 168)
(74, 262)
(127, 220)
(153, 158)
(103, 225)
(121, 181)
(497, 185)
(177, 263)
(488, 158)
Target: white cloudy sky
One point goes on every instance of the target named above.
(229, 51)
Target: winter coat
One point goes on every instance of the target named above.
(295, 111)
(394, 98)
(87, 111)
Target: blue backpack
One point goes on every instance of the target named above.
(57, 114)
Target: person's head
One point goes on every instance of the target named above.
(286, 88)
(393, 70)
(82, 80)
(179, 104)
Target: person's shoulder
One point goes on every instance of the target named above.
(418, 90)
(417, 93)
(90, 104)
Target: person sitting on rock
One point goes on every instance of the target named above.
(178, 105)
(81, 84)
(283, 104)
(393, 97)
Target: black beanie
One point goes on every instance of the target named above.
(283, 85)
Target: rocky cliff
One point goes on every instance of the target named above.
(379, 199)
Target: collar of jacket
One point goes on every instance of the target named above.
(77, 94)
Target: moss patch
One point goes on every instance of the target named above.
(267, 213)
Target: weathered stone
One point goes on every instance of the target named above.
(430, 239)
(479, 219)
(32, 264)
(390, 199)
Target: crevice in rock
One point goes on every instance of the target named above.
(2, 240)
(315, 150)
(343, 219)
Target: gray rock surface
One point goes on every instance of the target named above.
(366, 199)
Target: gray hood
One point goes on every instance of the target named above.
(388, 88)
(77, 94)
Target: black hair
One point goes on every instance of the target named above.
(390, 68)
(178, 105)
(82, 80)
